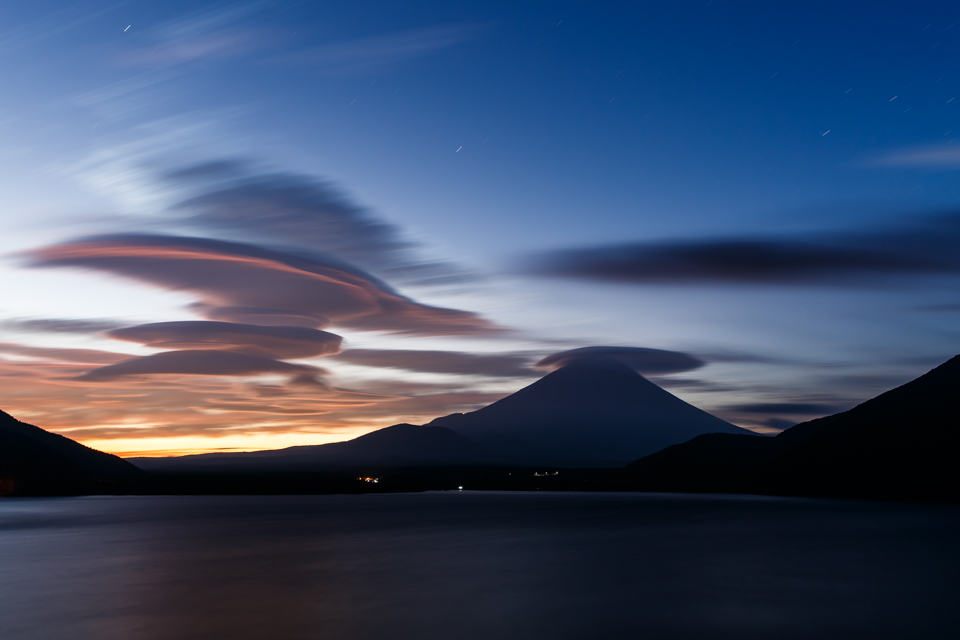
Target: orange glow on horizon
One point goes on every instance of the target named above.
(190, 445)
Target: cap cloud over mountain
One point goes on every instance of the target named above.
(642, 360)
(594, 411)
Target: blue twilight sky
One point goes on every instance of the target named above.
(457, 190)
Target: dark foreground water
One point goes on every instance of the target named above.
(467, 565)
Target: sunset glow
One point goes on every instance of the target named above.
(260, 225)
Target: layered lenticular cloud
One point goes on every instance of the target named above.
(263, 309)
(281, 342)
(197, 362)
(227, 276)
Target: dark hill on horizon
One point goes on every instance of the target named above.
(34, 459)
(593, 412)
(902, 445)
(401, 445)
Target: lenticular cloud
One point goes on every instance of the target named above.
(230, 276)
(272, 342)
(206, 363)
(640, 359)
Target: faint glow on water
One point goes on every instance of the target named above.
(476, 565)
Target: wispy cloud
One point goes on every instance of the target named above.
(383, 51)
(53, 24)
(222, 45)
(231, 31)
(219, 32)
(201, 23)
(945, 156)
(123, 90)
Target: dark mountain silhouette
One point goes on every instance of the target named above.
(595, 411)
(32, 459)
(903, 444)
(399, 445)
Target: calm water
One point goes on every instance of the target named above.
(476, 565)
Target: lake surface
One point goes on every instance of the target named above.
(465, 565)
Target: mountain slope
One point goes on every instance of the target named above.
(399, 445)
(594, 411)
(903, 444)
(31, 456)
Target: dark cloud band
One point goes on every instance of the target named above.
(928, 246)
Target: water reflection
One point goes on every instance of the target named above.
(475, 565)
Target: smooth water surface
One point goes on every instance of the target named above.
(466, 565)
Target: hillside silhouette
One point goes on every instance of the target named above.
(34, 460)
(402, 445)
(901, 445)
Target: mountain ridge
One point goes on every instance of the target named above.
(902, 444)
(397, 445)
(594, 412)
(33, 457)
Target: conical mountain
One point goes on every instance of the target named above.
(595, 411)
